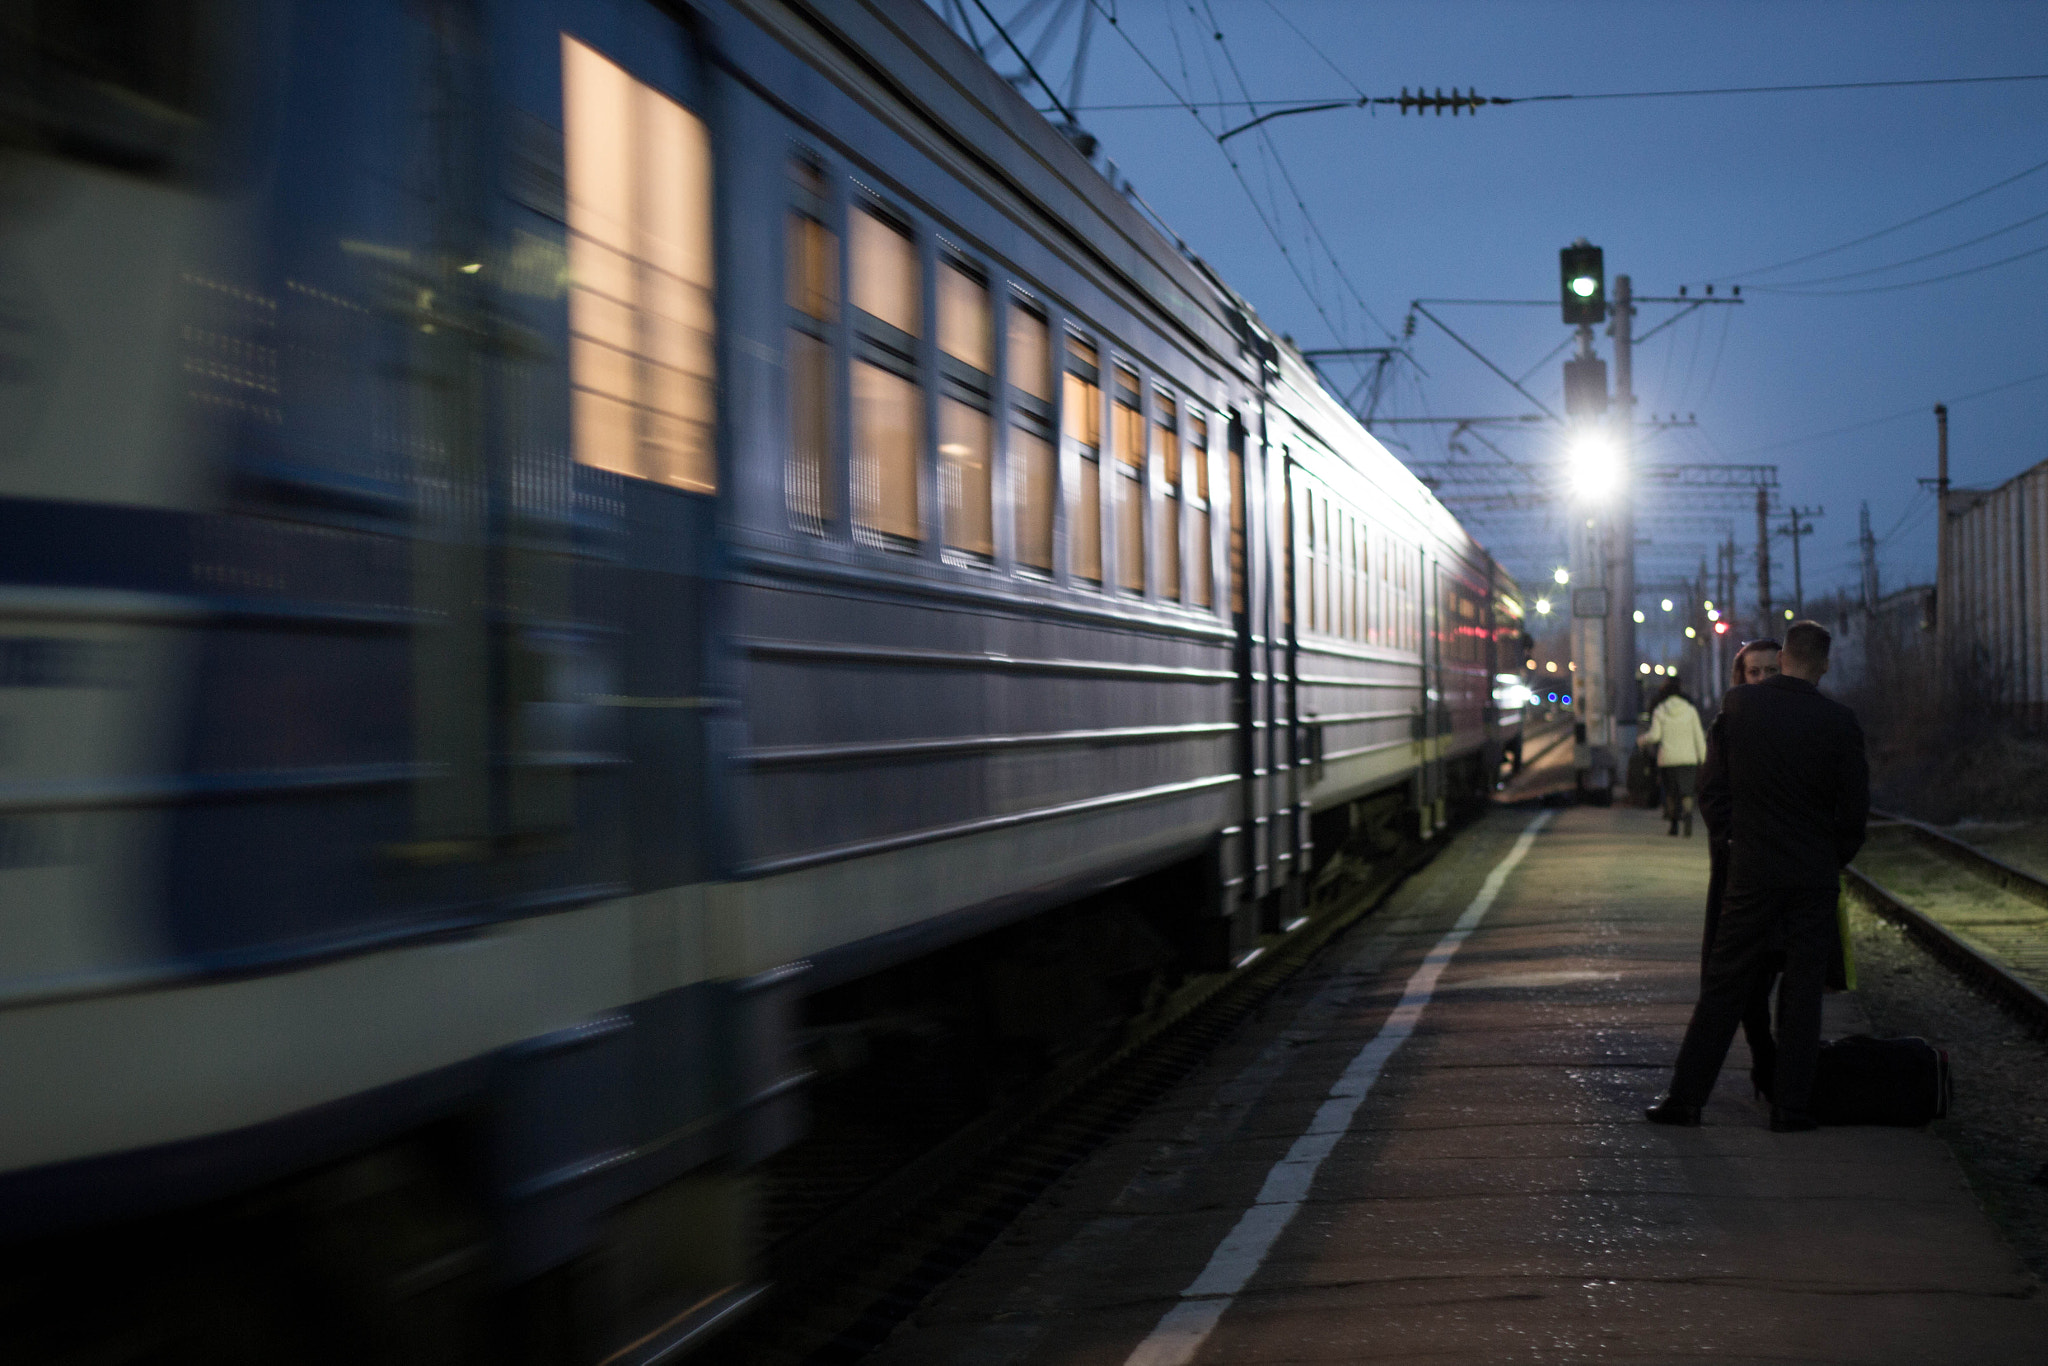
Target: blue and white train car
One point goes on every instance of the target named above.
(538, 536)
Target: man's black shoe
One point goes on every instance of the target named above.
(1669, 1111)
(1785, 1121)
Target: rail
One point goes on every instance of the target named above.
(1996, 979)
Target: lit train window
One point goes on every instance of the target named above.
(884, 269)
(641, 326)
(812, 263)
(964, 477)
(888, 405)
(965, 347)
(1203, 551)
(1167, 416)
(1128, 435)
(1032, 456)
(1081, 420)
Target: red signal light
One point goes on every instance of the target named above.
(1720, 628)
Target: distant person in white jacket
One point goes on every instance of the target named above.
(1681, 743)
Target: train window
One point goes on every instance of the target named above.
(1363, 580)
(812, 263)
(640, 312)
(1030, 352)
(1167, 415)
(1202, 561)
(888, 403)
(965, 493)
(1128, 439)
(888, 434)
(1081, 419)
(963, 318)
(1032, 455)
(964, 477)
(885, 273)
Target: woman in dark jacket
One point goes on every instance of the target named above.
(1754, 662)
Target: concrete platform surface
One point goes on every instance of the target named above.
(1430, 1147)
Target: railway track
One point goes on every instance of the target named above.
(843, 1283)
(1979, 914)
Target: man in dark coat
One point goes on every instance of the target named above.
(1787, 777)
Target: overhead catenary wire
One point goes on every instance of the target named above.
(1902, 224)
(1272, 229)
(1904, 284)
(1917, 409)
(1305, 105)
(1786, 285)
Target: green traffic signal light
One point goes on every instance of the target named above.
(1583, 274)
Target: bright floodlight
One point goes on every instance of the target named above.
(1595, 469)
(1561, 574)
(1667, 604)
(1639, 616)
(1584, 285)
(1543, 607)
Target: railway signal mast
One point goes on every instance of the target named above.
(1603, 525)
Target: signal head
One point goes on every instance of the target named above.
(1582, 277)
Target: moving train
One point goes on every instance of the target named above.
(548, 546)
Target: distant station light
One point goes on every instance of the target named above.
(1720, 628)
(1561, 575)
(1666, 604)
(1712, 615)
(1640, 618)
(1691, 634)
(1566, 699)
(1788, 614)
(1543, 607)
(1642, 668)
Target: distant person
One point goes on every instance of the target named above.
(1681, 745)
(1788, 778)
(1754, 662)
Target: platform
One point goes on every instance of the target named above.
(1431, 1149)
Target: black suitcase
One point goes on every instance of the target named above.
(1862, 1080)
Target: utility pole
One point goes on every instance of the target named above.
(1763, 559)
(1621, 601)
(1944, 572)
(1798, 530)
(1866, 546)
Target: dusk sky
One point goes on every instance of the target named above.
(1678, 191)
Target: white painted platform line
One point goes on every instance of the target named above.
(1186, 1326)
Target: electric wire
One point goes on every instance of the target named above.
(1349, 102)
(1272, 230)
(1904, 284)
(1301, 203)
(1746, 275)
(1868, 423)
(1909, 261)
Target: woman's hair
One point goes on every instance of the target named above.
(1760, 643)
(1668, 691)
